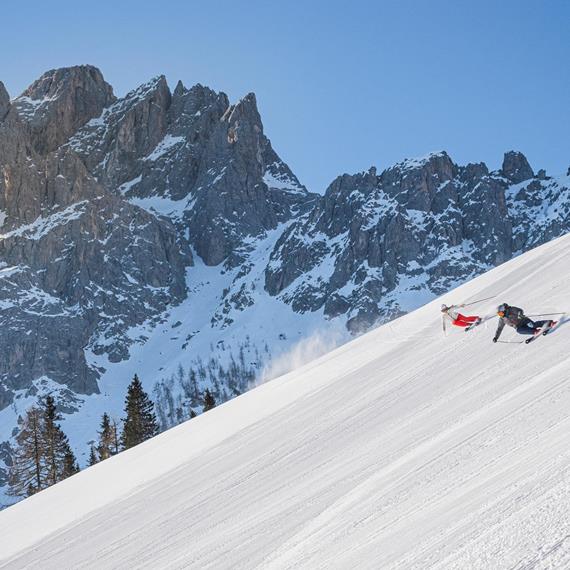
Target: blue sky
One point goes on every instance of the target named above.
(341, 86)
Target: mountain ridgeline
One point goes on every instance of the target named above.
(108, 207)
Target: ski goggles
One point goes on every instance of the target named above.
(501, 313)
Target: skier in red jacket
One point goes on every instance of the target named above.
(457, 318)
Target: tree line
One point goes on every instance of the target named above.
(42, 455)
(180, 396)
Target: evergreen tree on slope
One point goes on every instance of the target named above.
(209, 400)
(106, 446)
(28, 471)
(70, 465)
(140, 423)
(60, 460)
(93, 456)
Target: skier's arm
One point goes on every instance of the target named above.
(443, 322)
(499, 330)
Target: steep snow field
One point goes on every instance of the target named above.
(402, 449)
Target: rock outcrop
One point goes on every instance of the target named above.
(419, 228)
(61, 101)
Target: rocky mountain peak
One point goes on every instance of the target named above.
(475, 171)
(61, 101)
(190, 106)
(516, 167)
(4, 101)
(53, 82)
(244, 109)
(155, 84)
(113, 144)
(414, 182)
(179, 89)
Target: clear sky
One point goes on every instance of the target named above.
(340, 85)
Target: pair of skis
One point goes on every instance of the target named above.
(544, 330)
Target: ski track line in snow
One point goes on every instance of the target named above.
(366, 488)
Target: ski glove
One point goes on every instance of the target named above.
(495, 339)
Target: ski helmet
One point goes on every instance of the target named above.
(443, 308)
(502, 308)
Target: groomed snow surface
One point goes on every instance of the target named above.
(402, 449)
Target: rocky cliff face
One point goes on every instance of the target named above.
(140, 233)
(73, 274)
(196, 159)
(101, 202)
(420, 227)
(61, 101)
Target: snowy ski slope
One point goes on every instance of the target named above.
(402, 449)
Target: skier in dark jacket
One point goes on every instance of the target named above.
(514, 317)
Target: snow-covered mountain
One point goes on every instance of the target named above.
(160, 233)
(404, 448)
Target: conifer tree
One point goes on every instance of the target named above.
(193, 380)
(106, 445)
(115, 432)
(209, 400)
(140, 423)
(27, 474)
(93, 456)
(54, 442)
(70, 466)
(43, 455)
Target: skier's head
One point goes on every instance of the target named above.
(501, 309)
(444, 308)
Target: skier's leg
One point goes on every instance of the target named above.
(472, 319)
(460, 321)
(463, 321)
(540, 324)
(527, 327)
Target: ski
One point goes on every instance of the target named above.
(550, 327)
(475, 324)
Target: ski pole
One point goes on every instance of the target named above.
(545, 314)
(478, 301)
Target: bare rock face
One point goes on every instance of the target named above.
(419, 228)
(61, 101)
(516, 167)
(80, 268)
(4, 101)
(73, 277)
(100, 202)
(113, 144)
(199, 161)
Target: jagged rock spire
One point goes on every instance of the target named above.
(4, 101)
(516, 167)
(61, 101)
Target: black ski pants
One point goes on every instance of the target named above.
(527, 326)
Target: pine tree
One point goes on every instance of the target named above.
(28, 471)
(106, 445)
(93, 456)
(54, 442)
(115, 432)
(43, 455)
(69, 466)
(195, 393)
(140, 423)
(193, 414)
(209, 401)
